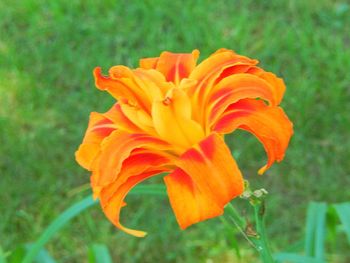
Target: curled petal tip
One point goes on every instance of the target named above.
(195, 54)
(262, 170)
(97, 71)
(135, 233)
(99, 78)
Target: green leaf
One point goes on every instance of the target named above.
(315, 230)
(66, 216)
(343, 211)
(43, 256)
(98, 253)
(295, 258)
(296, 247)
(332, 227)
(56, 225)
(17, 254)
(2, 256)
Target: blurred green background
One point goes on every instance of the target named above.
(47, 52)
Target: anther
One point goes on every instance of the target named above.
(166, 101)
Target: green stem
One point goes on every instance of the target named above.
(261, 240)
(256, 237)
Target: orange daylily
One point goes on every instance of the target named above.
(170, 117)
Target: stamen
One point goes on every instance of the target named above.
(166, 101)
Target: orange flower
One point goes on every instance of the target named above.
(170, 117)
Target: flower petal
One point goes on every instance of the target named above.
(206, 180)
(275, 82)
(148, 63)
(125, 161)
(236, 87)
(172, 120)
(138, 87)
(209, 72)
(269, 124)
(138, 118)
(120, 120)
(115, 203)
(174, 66)
(98, 129)
(115, 150)
(136, 168)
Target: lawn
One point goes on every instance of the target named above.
(47, 52)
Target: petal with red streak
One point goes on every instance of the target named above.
(236, 87)
(115, 150)
(139, 166)
(269, 124)
(207, 179)
(174, 66)
(276, 82)
(209, 72)
(98, 129)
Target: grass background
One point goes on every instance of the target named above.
(47, 52)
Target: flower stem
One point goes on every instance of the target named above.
(255, 236)
(261, 240)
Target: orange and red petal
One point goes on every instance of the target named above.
(174, 66)
(138, 87)
(140, 165)
(112, 200)
(219, 65)
(116, 149)
(98, 129)
(119, 86)
(236, 87)
(207, 179)
(276, 82)
(269, 124)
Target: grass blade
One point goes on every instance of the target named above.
(295, 258)
(320, 233)
(43, 256)
(296, 247)
(56, 225)
(98, 253)
(315, 230)
(2, 256)
(65, 217)
(17, 254)
(343, 211)
(310, 229)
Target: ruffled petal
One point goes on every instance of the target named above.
(210, 71)
(236, 87)
(115, 150)
(207, 179)
(172, 120)
(136, 168)
(275, 82)
(269, 124)
(120, 120)
(138, 87)
(174, 66)
(98, 129)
